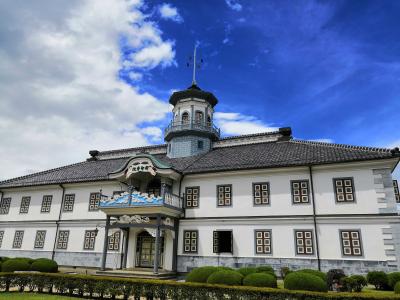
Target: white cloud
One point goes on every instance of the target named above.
(322, 140)
(168, 12)
(60, 94)
(237, 124)
(234, 5)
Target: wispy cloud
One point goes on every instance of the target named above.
(236, 124)
(234, 5)
(169, 12)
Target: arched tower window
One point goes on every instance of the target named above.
(185, 118)
(208, 120)
(199, 117)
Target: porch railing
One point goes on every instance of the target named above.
(199, 126)
(173, 200)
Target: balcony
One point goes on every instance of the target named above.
(138, 203)
(179, 127)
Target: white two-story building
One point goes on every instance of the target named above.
(199, 199)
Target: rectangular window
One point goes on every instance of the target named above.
(300, 191)
(94, 201)
(192, 195)
(114, 241)
(200, 144)
(90, 239)
(344, 189)
(1, 237)
(25, 202)
(261, 193)
(351, 242)
(224, 194)
(18, 237)
(263, 241)
(46, 204)
(69, 200)
(40, 238)
(62, 241)
(190, 241)
(396, 191)
(5, 206)
(222, 241)
(304, 242)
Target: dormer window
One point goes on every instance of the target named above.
(185, 118)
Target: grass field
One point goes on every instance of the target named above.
(23, 296)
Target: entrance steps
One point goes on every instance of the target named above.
(138, 273)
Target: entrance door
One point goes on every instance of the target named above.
(145, 250)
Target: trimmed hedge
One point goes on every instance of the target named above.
(247, 271)
(44, 265)
(260, 279)
(266, 269)
(354, 283)
(200, 274)
(379, 279)
(94, 287)
(225, 277)
(305, 282)
(393, 278)
(397, 288)
(320, 274)
(15, 264)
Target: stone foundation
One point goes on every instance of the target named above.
(187, 263)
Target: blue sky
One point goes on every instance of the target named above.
(91, 74)
(328, 69)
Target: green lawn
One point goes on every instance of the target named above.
(23, 296)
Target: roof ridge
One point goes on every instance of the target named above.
(131, 149)
(41, 172)
(343, 146)
(249, 135)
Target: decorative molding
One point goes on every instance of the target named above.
(125, 219)
(141, 166)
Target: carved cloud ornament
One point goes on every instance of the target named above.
(132, 219)
(141, 166)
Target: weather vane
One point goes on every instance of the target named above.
(196, 64)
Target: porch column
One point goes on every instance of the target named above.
(104, 257)
(175, 246)
(157, 247)
(126, 241)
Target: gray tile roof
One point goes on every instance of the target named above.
(251, 156)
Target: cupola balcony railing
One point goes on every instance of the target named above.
(198, 126)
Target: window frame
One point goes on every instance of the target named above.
(231, 197)
(344, 193)
(21, 236)
(198, 195)
(300, 181)
(312, 240)
(48, 198)
(196, 239)
(351, 246)
(64, 203)
(270, 241)
(66, 242)
(216, 244)
(96, 208)
(396, 191)
(94, 242)
(38, 232)
(5, 209)
(268, 191)
(114, 243)
(25, 204)
(1, 237)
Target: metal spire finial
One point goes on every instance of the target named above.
(196, 64)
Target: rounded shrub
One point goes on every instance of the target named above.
(379, 279)
(265, 269)
(15, 264)
(226, 277)
(44, 265)
(304, 282)
(397, 288)
(260, 279)
(393, 278)
(320, 274)
(225, 268)
(201, 274)
(247, 271)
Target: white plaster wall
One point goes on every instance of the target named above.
(36, 195)
(242, 194)
(283, 239)
(28, 241)
(365, 194)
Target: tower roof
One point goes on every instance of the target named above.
(193, 92)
